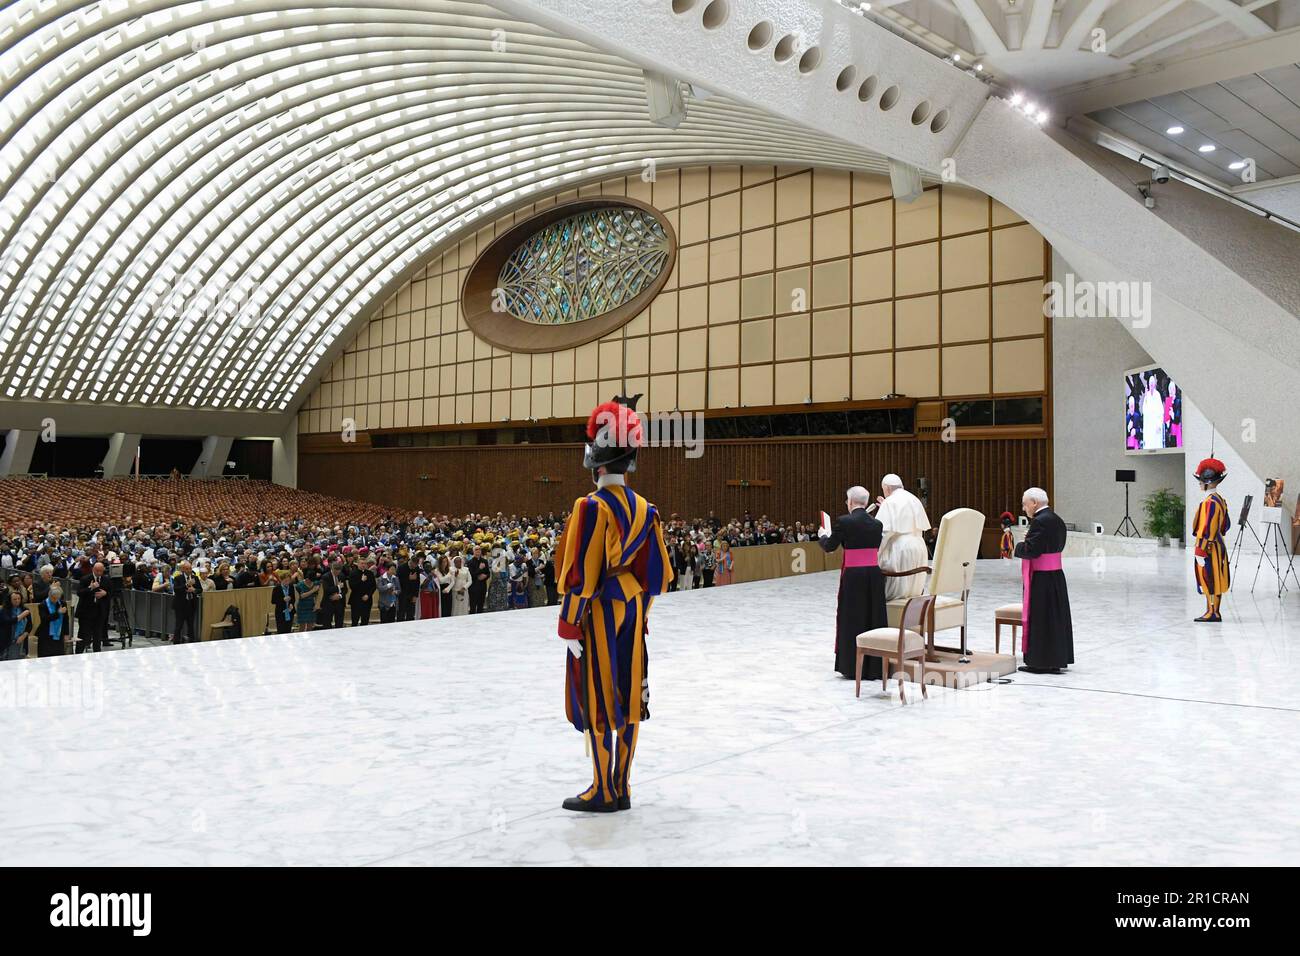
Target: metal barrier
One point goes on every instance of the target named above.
(151, 613)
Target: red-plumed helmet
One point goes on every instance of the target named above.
(1210, 470)
(614, 435)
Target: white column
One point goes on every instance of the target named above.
(284, 456)
(121, 454)
(16, 459)
(212, 460)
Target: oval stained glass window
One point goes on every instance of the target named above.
(584, 266)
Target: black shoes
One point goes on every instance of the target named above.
(581, 805)
(1208, 619)
(1040, 670)
(589, 806)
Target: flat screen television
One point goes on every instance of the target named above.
(1153, 412)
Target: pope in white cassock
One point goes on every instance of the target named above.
(901, 547)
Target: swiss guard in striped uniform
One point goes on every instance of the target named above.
(1208, 528)
(612, 562)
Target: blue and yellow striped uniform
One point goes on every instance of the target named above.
(612, 563)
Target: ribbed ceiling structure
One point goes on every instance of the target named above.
(197, 200)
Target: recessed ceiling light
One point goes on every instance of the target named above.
(1237, 165)
(1174, 130)
(1205, 148)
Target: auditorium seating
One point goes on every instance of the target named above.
(59, 503)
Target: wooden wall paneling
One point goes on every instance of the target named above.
(807, 475)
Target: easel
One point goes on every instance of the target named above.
(1242, 527)
(1273, 532)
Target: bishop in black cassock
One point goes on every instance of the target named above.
(1048, 634)
(862, 586)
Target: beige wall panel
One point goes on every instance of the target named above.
(832, 235)
(966, 369)
(724, 302)
(1017, 253)
(758, 251)
(792, 385)
(756, 296)
(793, 290)
(794, 197)
(873, 276)
(830, 283)
(1018, 366)
(830, 380)
(724, 345)
(663, 352)
(724, 388)
(663, 393)
(758, 206)
(916, 269)
(793, 336)
(693, 307)
(690, 391)
(1018, 309)
(965, 315)
(756, 385)
(793, 243)
(916, 321)
(965, 261)
(724, 258)
(724, 215)
(756, 341)
(916, 372)
(830, 334)
(692, 348)
(663, 312)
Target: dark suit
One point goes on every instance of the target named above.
(361, 588)
(92, 612)
(1049, 638)
(185, 604)
(478, 588)
(282, 602)
(861, 605)
(408, 580)
(334, 595)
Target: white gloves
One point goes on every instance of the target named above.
(823, 533)
(575, 648)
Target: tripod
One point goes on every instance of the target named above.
(1236, 550)
(121, 619)
(1274, 533)
(1127, 529)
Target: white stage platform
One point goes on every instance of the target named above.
(444, 742)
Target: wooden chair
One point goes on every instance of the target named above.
(1011, 615)
(951, 573)
(915, 631)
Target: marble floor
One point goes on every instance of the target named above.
(444, 742)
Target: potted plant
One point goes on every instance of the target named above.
(1164, 514)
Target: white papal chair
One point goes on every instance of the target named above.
(951, 571)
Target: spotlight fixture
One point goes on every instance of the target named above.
(979, 67)
(1174, 130)
(1016, 99)
(1205, 148)
(1041, 117)
(956, 58)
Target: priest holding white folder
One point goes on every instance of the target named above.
(902, 547)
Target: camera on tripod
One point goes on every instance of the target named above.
(115, 584)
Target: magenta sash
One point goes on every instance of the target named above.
(1044, 562)
(861, 558)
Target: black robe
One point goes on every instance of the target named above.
(1050, 634)
(862, 593)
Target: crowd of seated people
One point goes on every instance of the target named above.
(331, 562)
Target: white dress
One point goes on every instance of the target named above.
(459, 591)
(902, 547)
